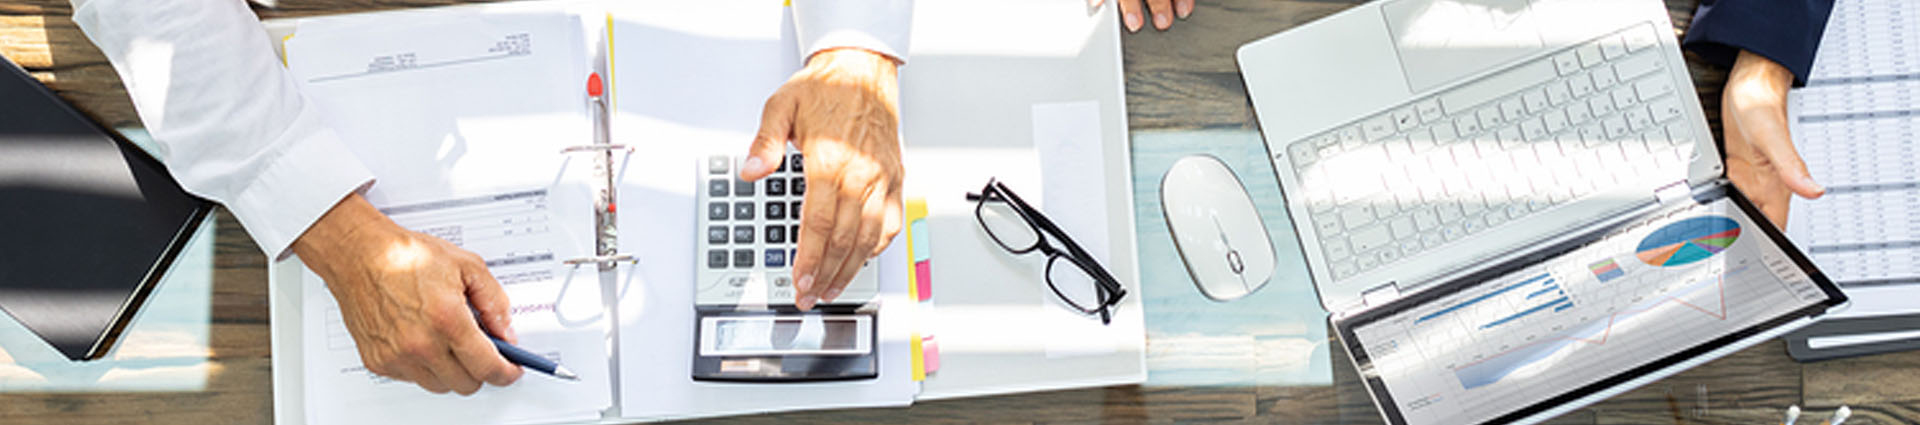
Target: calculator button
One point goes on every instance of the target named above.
(718, 164)
(776, 210)
(737, 281)
(717, 235)
(742, 234)
(783, 165)
(794, 231)
(717, 259)
(776, 258)
(776, 187)
(793, 209)
(782, 281)
(742, 188)
(717, 211)
(717, 188)
(743, 258)
(799, 185)
(797, 163)
(776, 234)
(743, 210)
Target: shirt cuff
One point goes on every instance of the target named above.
(313, 173)
(1773, 30)
(881, 26)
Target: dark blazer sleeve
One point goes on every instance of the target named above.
(1786, 31)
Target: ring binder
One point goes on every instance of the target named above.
(603, 259)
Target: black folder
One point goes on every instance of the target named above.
(88, 221)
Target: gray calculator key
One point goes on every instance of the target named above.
(776, 187)
(742, 234)
(776, 234)
(717, 235)
(742, 188)
(776, 210)
(718, 164)
(717, 188)
(799, 185)
(717, 259)
(717, 211)
(743, 258)
(743, 210)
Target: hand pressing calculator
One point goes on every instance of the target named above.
(747, 325)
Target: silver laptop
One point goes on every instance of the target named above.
(1497, 197)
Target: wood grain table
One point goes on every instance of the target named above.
(1178, 82)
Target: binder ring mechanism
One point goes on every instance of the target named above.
(603, 214)
(597, 148)
(605, 260)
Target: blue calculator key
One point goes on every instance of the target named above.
(776, 258)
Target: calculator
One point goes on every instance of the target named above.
(747, 325)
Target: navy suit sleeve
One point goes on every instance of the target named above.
(1786, 31)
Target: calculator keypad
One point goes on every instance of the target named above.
(751, 234)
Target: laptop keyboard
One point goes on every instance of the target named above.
(1508, 146)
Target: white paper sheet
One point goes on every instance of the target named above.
(1853, 124)
(690, 80)
(556, 310)
(462, 117)
(1067, 137)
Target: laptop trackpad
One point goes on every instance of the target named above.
(1442, 40)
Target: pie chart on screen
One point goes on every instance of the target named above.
(1688, 241)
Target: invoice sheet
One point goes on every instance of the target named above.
(555, 310)
(462, 117)
(690, 79)
(1854, 123)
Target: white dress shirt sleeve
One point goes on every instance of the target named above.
(225, 116)
(882, 26)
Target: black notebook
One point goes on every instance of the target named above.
(88, 221)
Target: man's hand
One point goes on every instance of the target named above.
(1761, 159)
(1163, 12)
(843, 114)
(405, 298)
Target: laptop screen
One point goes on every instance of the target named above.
(1575, 320)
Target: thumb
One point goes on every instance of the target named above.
(1788, 166)
(490, 301)
(770, 143)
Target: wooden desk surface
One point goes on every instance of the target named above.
(1182, 80)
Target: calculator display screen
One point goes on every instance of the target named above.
(770, 335)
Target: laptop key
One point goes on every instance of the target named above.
(1370, 238)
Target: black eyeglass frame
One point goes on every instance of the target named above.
(1107, 289)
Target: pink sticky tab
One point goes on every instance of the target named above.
(930, 353)
(923, 276)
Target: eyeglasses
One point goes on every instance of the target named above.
(1019, 228)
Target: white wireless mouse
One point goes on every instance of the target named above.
(1216, 228)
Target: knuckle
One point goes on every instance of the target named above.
(417, 348)
(838, 242)
(816, 223)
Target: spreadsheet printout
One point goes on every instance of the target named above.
(1854, 124)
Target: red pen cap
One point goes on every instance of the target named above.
(593, 84)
